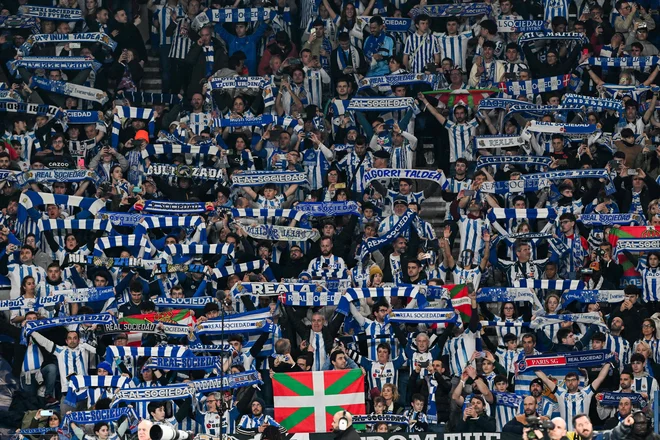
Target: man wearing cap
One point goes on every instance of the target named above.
(544, 406)
(640, 36)
(400, 206)
(256, 422)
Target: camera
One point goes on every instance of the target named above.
(423, 364)
(166, 432)
(587, 271)
(536, 423)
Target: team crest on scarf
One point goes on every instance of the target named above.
(650, 232)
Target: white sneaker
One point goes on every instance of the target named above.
(41, 392)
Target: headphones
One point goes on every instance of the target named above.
(343, 422)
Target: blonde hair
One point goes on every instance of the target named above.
(395, 392)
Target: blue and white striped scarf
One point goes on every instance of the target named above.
(42, 324)
(614, 398)
(514, 186)
(69, 89)
(550, 284)
(100, 415)
(294, 214)
(375, 243)
(84, 295)
(81, 117)
(610, 219)
(637, 245)
(32, 199)
(173, 351)
(569, 174)
(380, 104)
(540, 161)
(534, 86)
(200, 249)
(510, 400)
(561, 36)
(598, 104)
(20, 22)
(21, 303)
(78, 382)
(184, 303)
(379, 292)
(199, 150)
(259, 178)
(584, 318)
(280, 233)
(497, 141)
(112, 262)
(509, 213)
(261, 120)
(245, 82)
(241, 15)
(124, 112)
(57, 176)
(291, 294)
(250, 266)
(394, 419)
(185, 364)
(372, 82)
(447, 10)
(623, 61)
(509, 294)
(392, 24)
(542, 110)
(497, 103)
(568, 130)
(180, 208)
(126, 241)
(151, 98)
(157, 222)
(161, 169)
(87, 225)
(121, 218)
(592, 296)
(392, 173)
(31, 109)
(426, 316)
(231, 326)
(53, 63)
(52, 14)
(519, 26)
(93, 37)
(328, 209)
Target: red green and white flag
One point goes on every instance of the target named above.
(307, 402)
(460, 300)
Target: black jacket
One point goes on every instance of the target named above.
(197, 61)
(348, 434)
(329, 331)
(482, 424)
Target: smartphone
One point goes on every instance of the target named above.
(137, 190)
(652, 147)
(74, 45)
(313, 31)
(340, 185)
(469, 192)
(614, 164)
(81, 163)
(424, 364)
(632, 172)
(585, 52)
(46, 412)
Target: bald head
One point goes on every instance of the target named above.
(529, 406)
(338, 416)
(143, 429)
(559, 430)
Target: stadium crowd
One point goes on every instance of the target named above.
(265, 213)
